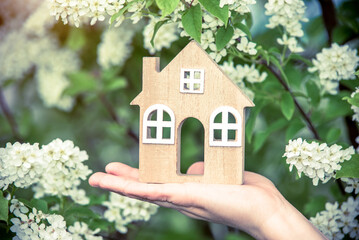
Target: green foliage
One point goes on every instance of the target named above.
(313, 93)
(192, 22)
(315, 204)
(223, 36)
(333, 135)
(353, 100)
(81, 82)
(287, 105)
(349, 168)
(294, 127)
(167, 6)
(4, 208)
(262, 136)
(155, 30)
(76, 39)
(244, 28)
(212, 6)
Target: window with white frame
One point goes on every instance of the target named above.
(192, 80)
(225, 127)
(158, 125)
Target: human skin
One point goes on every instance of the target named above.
(256, 207)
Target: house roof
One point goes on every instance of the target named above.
(152, 64)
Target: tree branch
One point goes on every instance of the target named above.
(114, 116)
(9, 117)
(329, 17)
(297, 105)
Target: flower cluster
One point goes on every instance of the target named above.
(123, 210)
(115, 46)
(36, 225)
(289, 15)
(167, 34)
(80, 231)
(55, 169)
(64, 171)
(78, 12)
(317, 161)
(240, 73)
(20, 164)
(334, 64)
(335, 222)
(30, 46)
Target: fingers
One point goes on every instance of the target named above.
(120, 169)
(196, 168)
(95, 179)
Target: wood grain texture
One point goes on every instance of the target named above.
(160, 163)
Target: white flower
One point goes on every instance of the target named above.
(355, 108)
(316, 161)
(166, 34)
(207, 39)
(215, 54)
(247, 46)
(65, 170)
(335, 222)
(80, 230)
(287, 13)
(115, 47)
(334, 64)
(20, 164)
(352, 185)
(36, 225)
(123, 210)
(291, 42)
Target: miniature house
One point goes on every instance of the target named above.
(191, 85)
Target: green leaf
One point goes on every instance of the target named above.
(80, 82)
(167, 6)
(300, 58)
(287, 105)
(313, 93)
(97, 199)
(275, 61)
(349, 168)
(192, 22)
(337, 108)
(295, 126)
(333, 135)
(212, 6)
(155, 30)
(315, 204)
(76, 39)
(115, 84)
(223, 36)
(262, 136)
(354, 100)
(4, 208)
(244, 29)
(149, 3)
(39, 204)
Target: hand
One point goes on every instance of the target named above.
(256, 207)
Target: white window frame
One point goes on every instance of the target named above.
(224, 126)
(192, 81)
(159, 124)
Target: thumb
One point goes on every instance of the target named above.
(196, 168)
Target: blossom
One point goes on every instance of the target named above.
(352, 185)
(288, 14)
(65, 170)
(80, 231)
(335, 222)
(123, 210)
(334, 64)
(246, 46)
(291, 43)
(217, 54)
(316, 161)
(20, 164)
(37, 225)
(165, 35)
(115, 46)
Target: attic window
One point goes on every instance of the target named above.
(192, 80)
(158, 125)
(225, 127)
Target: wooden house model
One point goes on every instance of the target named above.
(191, 85)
